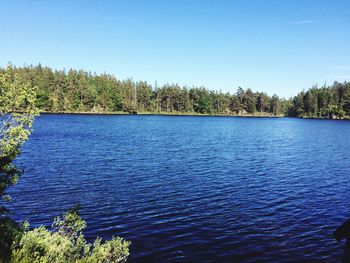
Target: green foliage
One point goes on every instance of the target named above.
(10, 232)
(80, 91)
(333, 112)
(66, 243)
(17, 111)
(326, 102)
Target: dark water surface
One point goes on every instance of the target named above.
(193, 189)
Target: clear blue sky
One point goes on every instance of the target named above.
(276, 46)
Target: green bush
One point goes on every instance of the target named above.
(66, 243)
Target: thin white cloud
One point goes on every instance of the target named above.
(339, 72)
(339, 77)
(341, 68)
(302, 22)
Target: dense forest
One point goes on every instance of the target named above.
(81, 91)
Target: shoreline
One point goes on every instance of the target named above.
(193, 114)
(166, 114)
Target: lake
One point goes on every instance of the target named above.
(193, 189)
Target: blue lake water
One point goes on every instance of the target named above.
(193, 189)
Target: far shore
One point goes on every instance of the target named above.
(190, 114)
(164, 113)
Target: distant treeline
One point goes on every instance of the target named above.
(81, 91)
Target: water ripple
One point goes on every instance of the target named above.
(190, 189)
